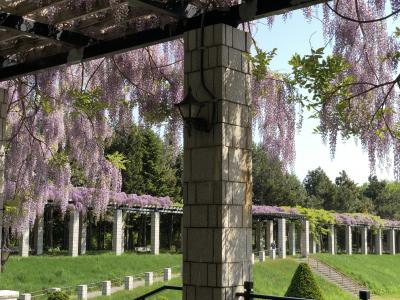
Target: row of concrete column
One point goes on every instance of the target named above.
(78, 234)
(308, 244)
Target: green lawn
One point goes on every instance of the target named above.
(41, 272)
(381, 274)
(271, 278)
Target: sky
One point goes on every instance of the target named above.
(295, 35)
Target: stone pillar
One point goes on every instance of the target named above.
(336, 243)
(82, 235)
(128, 280)
(282, 238)
(73, 236)
(392, 241)
(38, 235)
(106, 288)
(331, 240)
(155, 233)
(24, 240)
(25, 297)
(82, 292)
(349, 240)
(217, 167)
(261, 255)
(118, 232)
(167, 274)
(378, 242)
(313, 245)
(292, 239)
(148, 278)
(258, 236)
(364, 240)
(3, 116)
(269, 234)
(305, 238)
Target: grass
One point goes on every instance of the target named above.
(271, 277)
(381, 274)
(42, 272)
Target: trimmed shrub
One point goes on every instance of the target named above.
(59, 295)
(304, 285)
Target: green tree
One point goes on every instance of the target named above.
(271, 184)
(150, 164)
(304, 285)
(320, 189)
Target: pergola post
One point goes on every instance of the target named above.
(155, 233)
(38, 235)
(82, 235)
(378, 242)
(349, 240)
(282, 237)
(292, 238)
(305, 238)
(117, 238)
(392, 241)
(258, 235)
(313, 245)
(24, 240)
(269, 234)
(73, 237)
(364, 240)
(217, 167)
(3, 117)
(331, 240)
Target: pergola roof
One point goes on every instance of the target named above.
(29, 43)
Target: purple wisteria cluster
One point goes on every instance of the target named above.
(357, 219)
(266, 210)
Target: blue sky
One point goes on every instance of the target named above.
(295, 35)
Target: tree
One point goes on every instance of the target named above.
(271, 184)
(150, 167)
(303, 284)
(348, 196)
(320, 189)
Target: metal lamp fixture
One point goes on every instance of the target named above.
(190, 109)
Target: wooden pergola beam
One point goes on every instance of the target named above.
(233, 16)
(26, 26)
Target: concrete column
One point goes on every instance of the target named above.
(378, 242)
(106, 288)
(258, 236)
(24, 240)
(313, 245)
(148, 278)
(118, 232)
(269, 234)
(364, 240)
(336, 243)
(167, 274)
(155, 233)
(252, 259)
(398, 241)
(73, 238)
(305, 238)
(25, 297)
(282, 238)
(82, 235)
(331, 240)
(38, 235)
(128, 280)
(82, 292)
(292, 239)
(392, 241)
(261, 255)
(349, 240)
(217, 167)
(3, 117)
